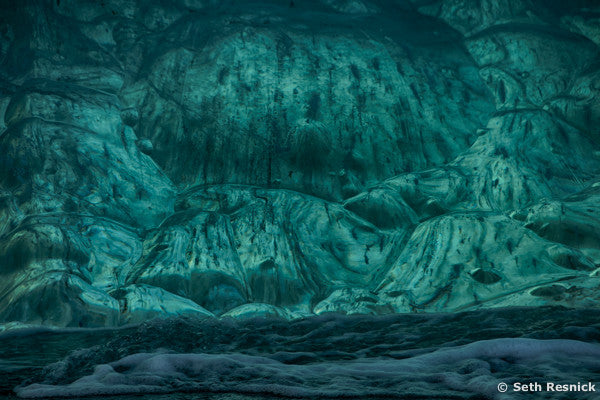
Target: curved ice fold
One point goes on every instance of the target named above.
(475, 368)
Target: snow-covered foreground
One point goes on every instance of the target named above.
(403, 356)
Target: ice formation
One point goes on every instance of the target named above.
(294, 158)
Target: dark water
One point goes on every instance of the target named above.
(399, 356)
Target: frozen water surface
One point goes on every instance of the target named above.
(462, 356)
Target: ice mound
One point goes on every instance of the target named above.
(459, 371)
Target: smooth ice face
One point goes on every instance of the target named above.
(285, 159)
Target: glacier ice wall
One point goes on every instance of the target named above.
(284, 158)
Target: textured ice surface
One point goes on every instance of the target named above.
(424, 356)
(476, 368)
(428, 356)
(290, 158)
